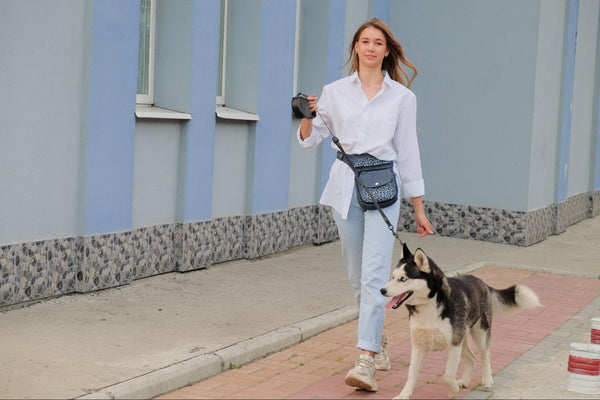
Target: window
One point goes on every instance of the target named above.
(145, 83)
(239, 28)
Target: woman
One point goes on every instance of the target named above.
(370, 111)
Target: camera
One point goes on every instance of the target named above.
(300, 107)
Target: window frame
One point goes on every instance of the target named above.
(297, 46)
(220, 100)
(148, 98)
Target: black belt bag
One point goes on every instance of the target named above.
(376, 175)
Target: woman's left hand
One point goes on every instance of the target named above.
(423, 225)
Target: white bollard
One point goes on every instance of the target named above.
(584, 368)
(595, 336)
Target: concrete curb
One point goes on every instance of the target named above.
(472, 267)
(204, 366)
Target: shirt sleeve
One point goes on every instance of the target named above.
(407, 149)
(319, 131)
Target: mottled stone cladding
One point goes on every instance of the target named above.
(105, 261)
(37, 270)
(594, 198)
(303, 225)
(539, 224)
(196, 246)
(228, 239)
(326, 228)
(571, 211)
(266, 234)
(7, 275)
(503, 226)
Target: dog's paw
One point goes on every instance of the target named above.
(403, 395)
(487, 382)
(453, 390)
(463, 383)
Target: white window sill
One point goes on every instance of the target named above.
(231, 113)
(145, 111)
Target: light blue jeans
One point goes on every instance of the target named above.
(367, 247)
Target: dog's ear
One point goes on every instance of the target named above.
(405, 252)
(422, 261)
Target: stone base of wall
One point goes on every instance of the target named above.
(594, 202)
(49, 268)
(504, 226)
(37, 270)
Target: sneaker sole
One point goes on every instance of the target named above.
(360, 384)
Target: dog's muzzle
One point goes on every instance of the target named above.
(396, 301)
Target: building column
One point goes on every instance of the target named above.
(564, 145)
(271, 172)
(336, 54)
(595, 206)
(199, 132)
(193, 249)
(567, 99)
(109, 129)
(108, 135)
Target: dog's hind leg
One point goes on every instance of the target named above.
(417, 356)
(481, 338)
(454, 354)
(469, 358)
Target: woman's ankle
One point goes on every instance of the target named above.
(371, 353)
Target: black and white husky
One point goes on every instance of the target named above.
(443, 310)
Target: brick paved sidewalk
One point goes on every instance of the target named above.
(315, 368)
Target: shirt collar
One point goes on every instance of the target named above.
(386, 77)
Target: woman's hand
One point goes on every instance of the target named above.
(312, 103)
(423, 224)
(306, 124)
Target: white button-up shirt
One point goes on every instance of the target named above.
(384, 127)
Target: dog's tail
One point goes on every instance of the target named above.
(514, 298)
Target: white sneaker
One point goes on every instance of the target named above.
(362, 376)
(382, 359)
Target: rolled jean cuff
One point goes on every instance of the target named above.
(364, 345)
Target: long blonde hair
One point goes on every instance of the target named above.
(394, 60)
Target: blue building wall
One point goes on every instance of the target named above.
(581, 166)
(274, 89)
(475, 100)
(96, 194)
(335, 58)
(566, 113)
(110, 121)
(41, 118)
(199, 132)
(546, 105)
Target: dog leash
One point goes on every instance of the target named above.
(300, 108)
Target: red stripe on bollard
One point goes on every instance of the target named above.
(595, 336)
(595, 331)
(585, 366)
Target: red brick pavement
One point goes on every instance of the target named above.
(315, 368)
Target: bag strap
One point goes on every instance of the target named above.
(346, 159)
